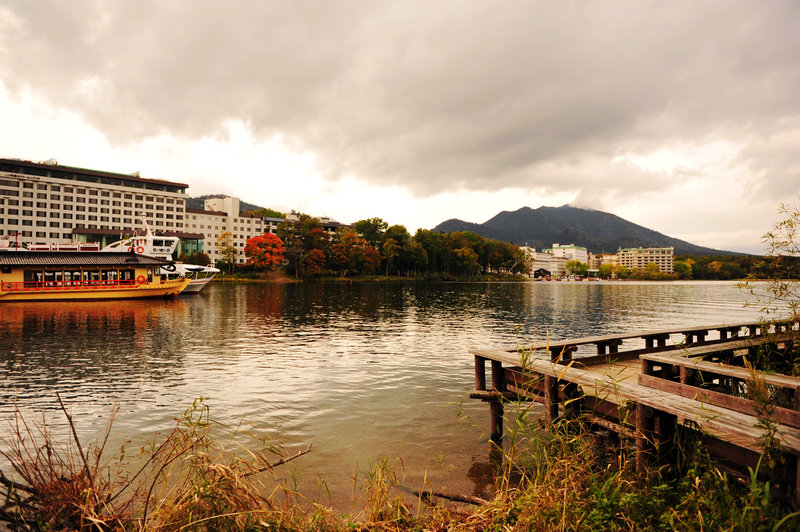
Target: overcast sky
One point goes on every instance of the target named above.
(683, 117)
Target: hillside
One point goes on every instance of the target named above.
(599, 232)
(199, 203)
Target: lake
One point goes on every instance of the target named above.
(361, 371)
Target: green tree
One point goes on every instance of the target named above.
(391, 250)
(466, 261)
(576, 267)
(268, 213)
(371, 230)
(605, 270)
(300, 236)
(227, 250)
(683, 268)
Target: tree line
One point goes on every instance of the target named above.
(373, 247)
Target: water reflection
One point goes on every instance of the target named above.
(359, 370)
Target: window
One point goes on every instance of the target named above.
(56, 197)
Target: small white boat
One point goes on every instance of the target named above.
(153, 245)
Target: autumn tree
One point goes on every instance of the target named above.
(265, 251)
(227, 250)
(313, 263)
(352, 254)
(298, 238)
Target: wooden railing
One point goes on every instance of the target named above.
(39, 286)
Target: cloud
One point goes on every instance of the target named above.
(428, 96)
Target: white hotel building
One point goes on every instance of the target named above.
(46, 203)
(222, 215)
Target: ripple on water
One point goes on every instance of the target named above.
(360, 371)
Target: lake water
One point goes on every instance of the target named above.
(360, 371)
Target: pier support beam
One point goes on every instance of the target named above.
(644, 436)
(550, 400)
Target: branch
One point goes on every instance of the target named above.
(282, 461)
(430, 495)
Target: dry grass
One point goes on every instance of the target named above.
(569, 479)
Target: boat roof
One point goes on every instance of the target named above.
(77, 258)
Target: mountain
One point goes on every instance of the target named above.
(599, 232)
(200, 201)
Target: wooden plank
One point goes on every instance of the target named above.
(740, 426)
(784, 381)
(640, 334)
(739, 404)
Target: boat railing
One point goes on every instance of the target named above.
(36, 286)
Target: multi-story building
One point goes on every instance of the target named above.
(46, 203)
(545, 263)
(596, 259)
(223, 215)
(571, 252)
(639, 258)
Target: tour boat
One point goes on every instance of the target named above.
(152, 245)
(75, 275)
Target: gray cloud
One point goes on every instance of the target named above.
(432, 95)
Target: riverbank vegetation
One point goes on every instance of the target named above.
(570, 479)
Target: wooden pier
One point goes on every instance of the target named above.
(646, 384)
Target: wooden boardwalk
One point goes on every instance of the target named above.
(644, 385)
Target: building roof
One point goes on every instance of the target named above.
(77, 258)
(203, 211)
(88, 172)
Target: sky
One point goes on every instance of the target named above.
(680, 116)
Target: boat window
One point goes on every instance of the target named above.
(93, 275)
(33, 276)
(49, 277)
(126, 275)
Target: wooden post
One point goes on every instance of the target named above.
(665, 445)
(573, 404)
(480, 373)
(550, 400)
(496, 406)
(644, 435)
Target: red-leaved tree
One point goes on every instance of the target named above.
(265, 251)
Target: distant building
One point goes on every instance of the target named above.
(639, 258)
(544, 263)
(570, 252)
(595, 260)
(222, 215)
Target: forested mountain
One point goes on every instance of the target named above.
(599, 232)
